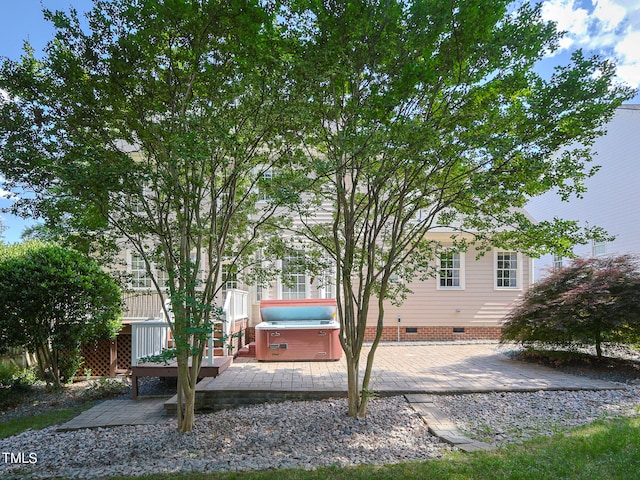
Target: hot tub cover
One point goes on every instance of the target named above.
(298, 310)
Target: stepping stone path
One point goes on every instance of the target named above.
(441, 426)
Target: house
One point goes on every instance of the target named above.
(611, 197)
(466, 299)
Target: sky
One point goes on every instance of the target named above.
(607, 27)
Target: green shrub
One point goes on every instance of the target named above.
(52, 300)
(593, 300)
(25, 378)
(8, 371)
(106, 387)
(16, 378)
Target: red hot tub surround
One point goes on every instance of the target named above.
(298, 330)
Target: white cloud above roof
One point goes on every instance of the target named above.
(608, 27)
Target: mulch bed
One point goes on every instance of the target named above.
(610, 368)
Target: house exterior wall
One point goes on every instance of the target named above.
(475, 312)
(612, 195)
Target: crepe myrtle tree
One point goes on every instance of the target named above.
(429, 114)
(161, 118)
(590, 301)
(52, 301)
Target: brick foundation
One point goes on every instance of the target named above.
(433, 333)
(409, 334)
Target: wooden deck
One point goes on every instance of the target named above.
(219, 365)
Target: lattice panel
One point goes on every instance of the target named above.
(123, 349)
(97, 358)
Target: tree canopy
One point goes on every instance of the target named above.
(152, 125)
(423, 115)
(157, 122)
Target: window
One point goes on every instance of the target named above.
(598, 248)
(507, 270)
(136, 205)
(451, 271)
(139, 276)
(263, 183)
(557, 263)
(162, 275)
(328, 283)
(294, 279)
(229, 277)
(143, 279)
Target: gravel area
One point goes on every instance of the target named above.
(305, 435)
(269, 436)
(313, 434)
(505, 418)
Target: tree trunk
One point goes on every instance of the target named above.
(353, 384)
(186, 396)
(366, 393)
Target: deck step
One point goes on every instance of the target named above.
(211, 401)
(220, 363)
(248, 351)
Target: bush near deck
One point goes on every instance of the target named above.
(52, 300)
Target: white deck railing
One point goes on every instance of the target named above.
(151, 337)
(148, 337)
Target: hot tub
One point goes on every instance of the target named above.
(298, 330)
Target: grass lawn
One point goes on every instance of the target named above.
(43, 420)
(602, 450)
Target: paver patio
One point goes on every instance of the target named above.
(406, 368)
(398, 369)
(113, 413)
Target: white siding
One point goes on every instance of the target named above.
(613, 193)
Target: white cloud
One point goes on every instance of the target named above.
(609, 14)
(607, 27)
(5, 193)
(628, 47)
(628, 55)
(569, 18)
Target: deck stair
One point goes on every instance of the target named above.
(215, 400)
(248, 351)
(207, 370)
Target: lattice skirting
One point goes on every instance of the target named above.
(106, 358)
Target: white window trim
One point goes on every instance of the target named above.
(462, 269)
(281, 283)
(519, 275)
(155, 272)
(225, 273)
(266, 175)
(328, 283)
(598, 249)
(558, 263)
(130, 255)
